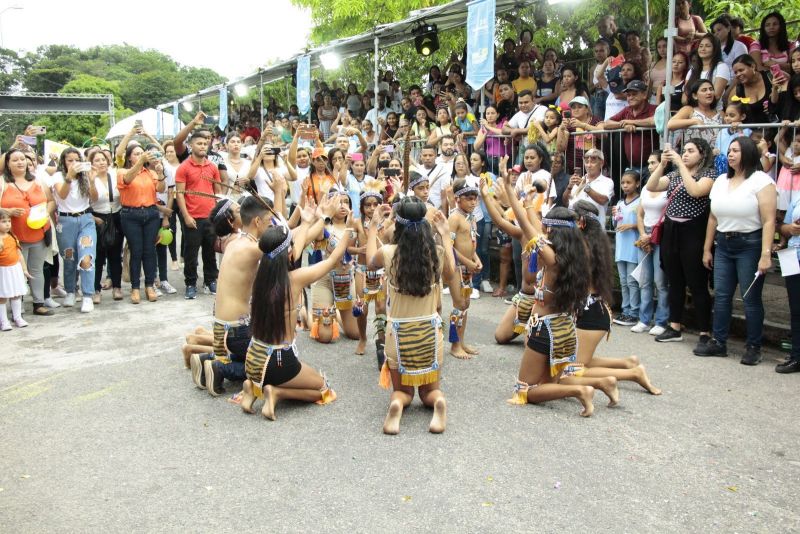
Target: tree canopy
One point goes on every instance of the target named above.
(137, 78)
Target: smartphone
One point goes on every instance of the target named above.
(577, 171)
(388, 149)
(209, 120)
(157, 155)
(775, 69)
(567, 113)
(391, 172)
(83, 166)
(357, 156)
(29, 140)
(667, 146)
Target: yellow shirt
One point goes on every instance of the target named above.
(521, 84)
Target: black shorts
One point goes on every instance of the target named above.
(281, 364)
(237, 342)
(595, 317)
(503, 239)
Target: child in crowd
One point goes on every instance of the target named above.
(13, 272)
(463, 233)
(548, 128)
(735, 115)
(467, 123)
(789, 177)
(625, 253)
(763, 141)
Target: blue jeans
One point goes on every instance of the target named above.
(77, 239)
(629, 287)
(484, 228)
(140, 226)
(736, 261)
(653, 274)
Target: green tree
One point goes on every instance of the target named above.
(753, 12)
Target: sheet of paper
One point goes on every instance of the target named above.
(789, 263)
(636, 274)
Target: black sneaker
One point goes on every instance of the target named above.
(670, 334)
(191, 292)
(789, 366)
(211, 288)
(625, 320)
(711, 348)
(752, 356)
(196, 365)
(214, 378)
(702, 341)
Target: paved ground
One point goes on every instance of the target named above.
(102, 429)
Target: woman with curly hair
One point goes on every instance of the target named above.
(273, 369)
(594, 319)
(558, 257)
(415, 267)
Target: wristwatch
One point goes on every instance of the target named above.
(327, 221)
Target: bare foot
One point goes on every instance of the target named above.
(608, 385)
(362, 346)
(391, 425)
(643, 380)
(585, 398)
(268, 410)
(469, 349)
(460, 354)
(439, 419)
(248, 398)
(187, 355)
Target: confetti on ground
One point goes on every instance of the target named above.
(733, 488)
(557, 485)
(490, 479)
(406, 498)
(209, 488)
(487, 503)
(25, 476)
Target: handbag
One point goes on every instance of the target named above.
(658, 228)
(108, 233)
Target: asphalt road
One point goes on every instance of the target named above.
(101, 428)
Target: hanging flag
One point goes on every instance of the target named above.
(176, 119)
(223, 108)
(159, 126)
(304, 84)
(480, 42)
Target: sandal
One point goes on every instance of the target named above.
(41, 309)
(499, 292)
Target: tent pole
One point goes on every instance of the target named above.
(670, 34)
(377, 42)
(261, 99)
(647, 23)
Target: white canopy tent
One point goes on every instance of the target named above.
(150, 119)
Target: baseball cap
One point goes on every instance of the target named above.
(635, 85)
(319, 153)
(579, 100)
(517, 169)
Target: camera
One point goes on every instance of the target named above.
(389, 173)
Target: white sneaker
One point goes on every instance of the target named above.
(50, 303)
(475, 294)
(657, 330)
(87, 305)
(168, 289)
(446, 291)
(486, 287)
(58, 292)
(5, 325)
(159, 293)
(69, 300)
(640, 327)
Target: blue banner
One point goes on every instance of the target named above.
(480, 43)
(223, 108)
(159, 126)
(176, 120)
(304, 84)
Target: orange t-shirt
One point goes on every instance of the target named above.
(141, 192)
(15, 198)
(318, 185)
(10, 254)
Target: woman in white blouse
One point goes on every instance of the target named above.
(742, 224)
(264, 166)
(105, 210)
(75, 231)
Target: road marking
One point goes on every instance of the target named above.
(100, 392)
(22, 392)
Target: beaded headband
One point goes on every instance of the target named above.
(376, 194)
(223, 210)
(418, 180)
(280, 248)
(405, 222)
(558, 222)
(590, 215)
(469, 190)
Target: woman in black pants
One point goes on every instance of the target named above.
(106, 212)
(684, 233)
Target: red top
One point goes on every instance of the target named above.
(15, 198)
(746, 39)
(192, 174)
(637, 145)
(253, 132)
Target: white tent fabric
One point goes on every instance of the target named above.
(150, 118)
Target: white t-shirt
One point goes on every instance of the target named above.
(737, 210)
(262, 180)
(438, 178)
(722, 70)
(296, 187)
(74, 202)
(738, 49)
(169, 180)
(233, 174)
(653, 207)
(603, 185)
(614, 106)
(101, 184)
(524, 120)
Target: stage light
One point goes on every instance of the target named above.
(241, 89)
(330, 60)
(187, 105)
(426, 39)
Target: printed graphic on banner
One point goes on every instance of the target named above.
(480, 42)
(223, 108)
(304, 84)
